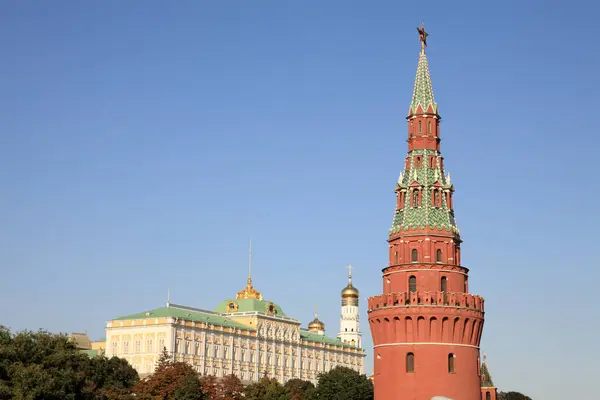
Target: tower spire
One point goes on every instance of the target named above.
(422, 99)
(249, 292)
(349, 274)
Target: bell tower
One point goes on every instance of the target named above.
(426, 327)
(349, 320)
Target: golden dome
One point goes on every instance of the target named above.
(350, 291)
(316, 325)
(249, 292)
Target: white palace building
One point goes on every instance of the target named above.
(246, 336)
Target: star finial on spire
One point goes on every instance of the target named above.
(422, 37)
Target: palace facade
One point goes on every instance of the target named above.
(246, 336)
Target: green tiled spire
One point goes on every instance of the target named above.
(486, 377)
(427, 177)
(423, 91)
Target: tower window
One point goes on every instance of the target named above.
(488, 396)
(443, 284)
(414, 255)
(415, 198)
(438, 255)
(419, 126)
(410, 362)
(412, 284)
(451, 363)
(396, 256)
(429, 127)
(418, 162)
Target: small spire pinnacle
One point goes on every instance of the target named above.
(250, 263)
(316, 311)
(168, 297)
(349, 274)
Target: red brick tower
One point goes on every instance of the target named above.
(426, 327)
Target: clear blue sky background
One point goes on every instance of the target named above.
(143, 143)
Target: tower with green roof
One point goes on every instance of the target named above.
(426, 326)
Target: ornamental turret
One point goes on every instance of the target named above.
(426, 326)
(349, 319)
(316, 325)
(488, 389)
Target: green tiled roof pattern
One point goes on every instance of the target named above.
(486, 377)
(249, 305)
(426, 215)
(423, 91)
(188, 315)
(315, 337)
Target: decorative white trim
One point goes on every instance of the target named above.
(422, 343)
(425, 269)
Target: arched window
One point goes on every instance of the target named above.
(451, 363)
(396, 256)
(466, 290)
(415, 201)
(488, 396)
(443, 283)
(412, 284)
(419, 126)
(414, 255)
(438, 255)
(429, 127)
(410, 362)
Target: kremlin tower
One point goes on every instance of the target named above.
(426, 326)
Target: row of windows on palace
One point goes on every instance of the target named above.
(215, 351)
(416, 197)
(414, 256)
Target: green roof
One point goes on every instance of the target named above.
(423, 90)
(187, 314)
(315, 337)
(249, 305)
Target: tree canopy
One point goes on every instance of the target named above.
(42, 365)
(343, 383)
(512, 396)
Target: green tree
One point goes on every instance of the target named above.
(164, 358)
(42, 365)
(512, 396)
(190, 389)
(343, 383)
(300, 389)
(266, 389)
(110, 378)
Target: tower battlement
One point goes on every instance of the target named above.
(426, 298)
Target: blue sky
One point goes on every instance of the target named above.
(143, 144)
